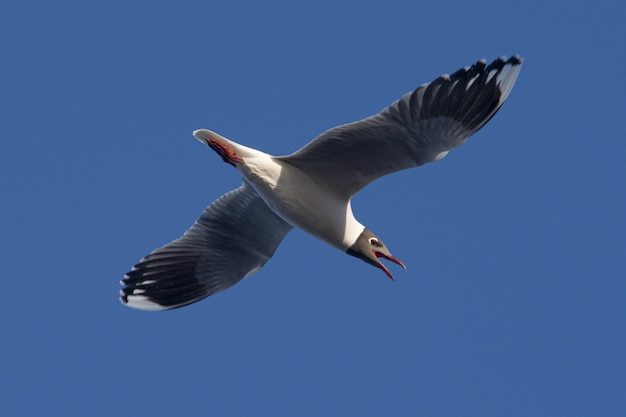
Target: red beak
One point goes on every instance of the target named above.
(392, 259)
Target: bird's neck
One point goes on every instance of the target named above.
(353, 229)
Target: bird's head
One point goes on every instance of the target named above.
(369, 248)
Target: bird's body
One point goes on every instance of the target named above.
(311, 189)
(300, 201)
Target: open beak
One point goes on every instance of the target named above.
(392, 259)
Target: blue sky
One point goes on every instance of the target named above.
(514, 299)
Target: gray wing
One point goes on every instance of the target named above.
(420, 127)
(235, 236)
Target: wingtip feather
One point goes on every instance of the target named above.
(139, 302)
(508, 75)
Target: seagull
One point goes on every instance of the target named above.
(311, 189)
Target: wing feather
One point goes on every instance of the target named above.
(233, 238)
(420, 127)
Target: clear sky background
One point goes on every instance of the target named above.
(514, 301)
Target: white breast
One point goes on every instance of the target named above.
(302, 202)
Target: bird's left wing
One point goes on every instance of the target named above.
(235, 236)
(420, 127)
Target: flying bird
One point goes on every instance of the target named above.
(311, 189)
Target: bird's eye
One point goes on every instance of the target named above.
(373, 241)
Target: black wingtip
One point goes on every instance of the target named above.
(483, 89)
(162, 282)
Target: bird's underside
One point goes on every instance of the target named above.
(239, 232)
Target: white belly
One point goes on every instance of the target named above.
(301, 202)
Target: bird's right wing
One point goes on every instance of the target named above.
(235, 236)
(420, 127)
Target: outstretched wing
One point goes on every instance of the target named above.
(420, 127)
(235, 236)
